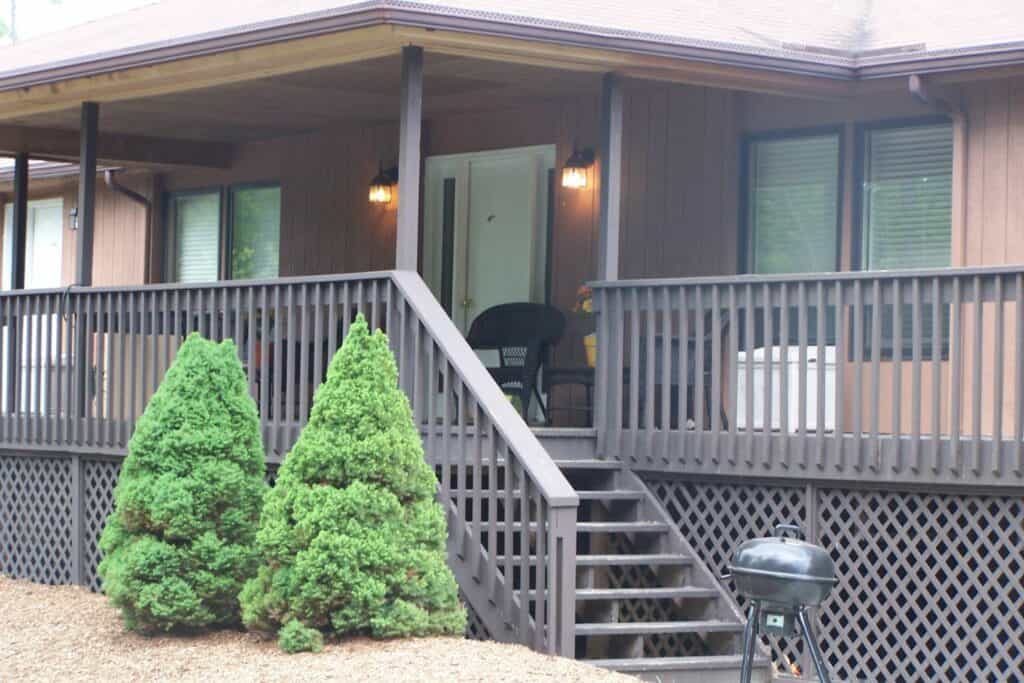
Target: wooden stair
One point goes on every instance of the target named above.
(646, 604)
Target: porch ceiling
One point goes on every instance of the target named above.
(297, 102)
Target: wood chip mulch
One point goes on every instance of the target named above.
(65, 633)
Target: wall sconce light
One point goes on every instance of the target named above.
(381, 187)
(577, 168)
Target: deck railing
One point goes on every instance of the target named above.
(889, 376)
(78, 366)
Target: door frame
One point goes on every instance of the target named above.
(433, 245)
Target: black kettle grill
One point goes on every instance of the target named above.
(781, 577)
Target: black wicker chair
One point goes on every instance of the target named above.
(522, 334)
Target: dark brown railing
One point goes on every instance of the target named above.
(885, 375)
(78, 366)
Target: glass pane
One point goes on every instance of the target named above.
(256, 232)
(196, 236)
(794, 204)
(908, 197)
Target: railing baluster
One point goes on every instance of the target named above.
(651, 359)
(524, 554)
(634, 373)
(998, 367)
(748, 359)
(685, 375)
(875, 397)
(699, 404)
(667, 354)
(801, 322)
(716, 373)
(784, 430)
(542, 608)
(897, 375)
(305, 388)
(839, 328)
(976, 375)
(916, 312)
(822, 366)
(732, 371)
(937, 399)
(858, 377)
(956, 362)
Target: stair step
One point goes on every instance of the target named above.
(655, 664)
(640, 628)
(647, 527)
(617, 560)
(630, 560)
(611, 494)
(670, 593)
(588, 464)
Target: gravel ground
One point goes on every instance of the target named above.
(65, 633)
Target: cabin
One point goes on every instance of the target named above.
(655, 280)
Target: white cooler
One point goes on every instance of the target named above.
(792, 369)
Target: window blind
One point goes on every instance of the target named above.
(793, 204)
(256, 232)
(907, 198)
(196, 236)
(906, 219)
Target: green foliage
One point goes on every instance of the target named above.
(352, 535)
(181, 540)
(295, 637)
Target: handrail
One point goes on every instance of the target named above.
(553, 484)
(888, 376)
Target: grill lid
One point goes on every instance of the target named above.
(784, 558)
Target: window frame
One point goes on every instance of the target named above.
(228, 231)
(745, 257)
(225, 223)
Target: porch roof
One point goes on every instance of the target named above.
(837, 38)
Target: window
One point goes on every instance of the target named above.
(906, 217)
(195, 218)
(256, 232)
(906, 210)
(793, 203)
(198, 236)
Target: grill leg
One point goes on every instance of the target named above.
(812, 646)
(749, 639)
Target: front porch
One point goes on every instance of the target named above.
(734, 386)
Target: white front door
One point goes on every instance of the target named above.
(43, 243)
(486, 229)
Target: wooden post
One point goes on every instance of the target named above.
(83, 263)
(19, 224)
(19, 235)
(611, 178)
(86, 192)
(409, 160)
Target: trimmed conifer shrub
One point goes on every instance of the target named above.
(351, 534)
(181, 540)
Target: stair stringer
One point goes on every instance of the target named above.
(466, 566)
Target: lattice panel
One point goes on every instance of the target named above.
(716, 518)
(475, 629)
(99, 477)
(931, 586)
(36, 518)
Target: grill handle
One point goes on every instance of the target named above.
(782, 529)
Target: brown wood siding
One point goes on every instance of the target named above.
(120, 237)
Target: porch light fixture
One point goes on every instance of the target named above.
(577, 167)
(381, 186)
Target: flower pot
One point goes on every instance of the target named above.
(590, 347)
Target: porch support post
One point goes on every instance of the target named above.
(19, 232)
(611, 177)
(409, 160)
(19, 222)
(86, 192)
(83, 263)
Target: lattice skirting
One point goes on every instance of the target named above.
(931, 584)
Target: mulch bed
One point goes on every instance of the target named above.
(65, 633)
